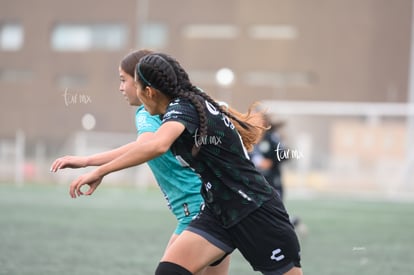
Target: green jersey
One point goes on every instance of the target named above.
(180, 185)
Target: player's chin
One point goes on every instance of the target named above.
(134, 102)
(128, 100)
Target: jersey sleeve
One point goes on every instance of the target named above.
(145, 122)
(184, 112)
(268, 145)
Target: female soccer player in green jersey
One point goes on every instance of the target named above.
(180, 185)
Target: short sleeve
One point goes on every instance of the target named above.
(145, 122)
(182, 111)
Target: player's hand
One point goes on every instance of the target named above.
(93, 179)
(68, 162)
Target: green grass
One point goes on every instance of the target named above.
(124, 230)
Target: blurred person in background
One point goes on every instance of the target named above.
(180, 185)
(268, 155)
(241, 209)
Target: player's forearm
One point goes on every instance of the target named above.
(136, 154)
(105, 157)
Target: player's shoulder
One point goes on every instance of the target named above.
(144, 119)
(141, 110)
(180, 102)
(178, 107)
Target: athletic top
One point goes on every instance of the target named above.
(270, 147)
(180, 186)
(232, 187)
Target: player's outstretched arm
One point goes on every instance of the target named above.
(140, 152)
(68, 162)
(93, 160)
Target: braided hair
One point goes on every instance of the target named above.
(165, 74)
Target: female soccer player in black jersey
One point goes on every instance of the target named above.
(241, 209)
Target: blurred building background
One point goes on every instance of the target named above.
(338, 72)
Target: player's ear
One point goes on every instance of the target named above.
(151, 92)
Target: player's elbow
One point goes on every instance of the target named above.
(161, 148)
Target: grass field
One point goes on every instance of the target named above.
(123, 230)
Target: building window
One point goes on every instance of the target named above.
(203, 77)
(153, 35)
(273, 32)
(15, 75)
(11, 37)
(71, 81)
(80, 37)
(280, 79)
(211, 31)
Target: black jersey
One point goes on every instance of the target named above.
(232, 187)
(270, 147)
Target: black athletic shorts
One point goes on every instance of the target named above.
(266, 238)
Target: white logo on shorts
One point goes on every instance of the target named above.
(276, 255)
